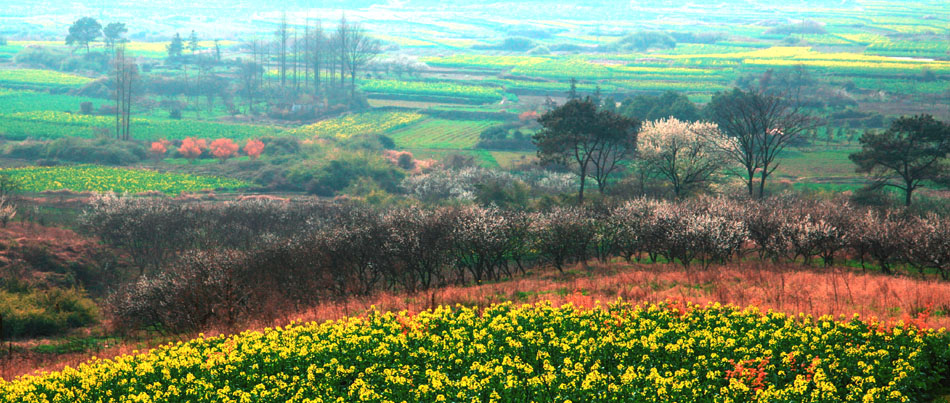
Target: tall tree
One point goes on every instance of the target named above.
(193, 42)
(316, 55)
(249, 73)
(592, 142)
(572, 92)
(83, 31)
(361, 49)
(342, 38)
(296, 50)
(175, 47)
(125, 72)
(762, 125)
(616, 142)
(282, 35)
(112, 34)
(914, 149)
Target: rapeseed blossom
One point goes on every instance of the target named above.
(540, 353)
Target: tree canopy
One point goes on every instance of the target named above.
(593, 142)
(914, 149)
(113, 32)
(653, 107)
(175, 47)
(83, 31)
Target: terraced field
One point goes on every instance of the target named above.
(441, 134)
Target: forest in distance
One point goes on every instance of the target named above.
(468, 200)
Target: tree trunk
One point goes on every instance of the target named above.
(580, 194)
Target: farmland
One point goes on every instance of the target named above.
(54, 124)
(475, 201)
(499, 353)
(104, 179)
(441, 134)
(39, 78)
(357, 124)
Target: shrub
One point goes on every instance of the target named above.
(191, 148)
(254, 149)
(223, 149)
(36, 313)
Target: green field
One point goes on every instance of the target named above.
(31, 101)
(441, 134)
(47, 125)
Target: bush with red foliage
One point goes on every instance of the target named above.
(191, 148)
(254, 149)
(223, 149)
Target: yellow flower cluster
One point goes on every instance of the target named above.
(539, 353)
(120, 180)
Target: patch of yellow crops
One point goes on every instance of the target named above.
(457, 43)
(846, 64)
(41, 77)
(666, 352)
(434, 88)
(358, 124)
(160, 47)
(485, 61)
(120, 180)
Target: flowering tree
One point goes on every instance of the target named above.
(254, 149)
(223, 149)
(191, 148)
(159, 148)
(687, 154)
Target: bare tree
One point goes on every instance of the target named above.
(296, 50)
(249, 73)
(762, 125)
(125, 72)
(317, 42)
(361, 49)
(283, 35)
(343, 36)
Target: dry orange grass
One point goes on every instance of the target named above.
(791, 289)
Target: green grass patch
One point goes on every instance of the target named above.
(441, 134)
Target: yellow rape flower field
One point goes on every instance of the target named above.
(671, 352)
(120, 180)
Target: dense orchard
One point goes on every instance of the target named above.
(264, 252)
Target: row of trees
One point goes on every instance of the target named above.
(204, 263)
(87, 30)
(746, 135)
(751, 129)
(313, 62)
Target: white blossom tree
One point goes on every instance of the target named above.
(688, 155)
